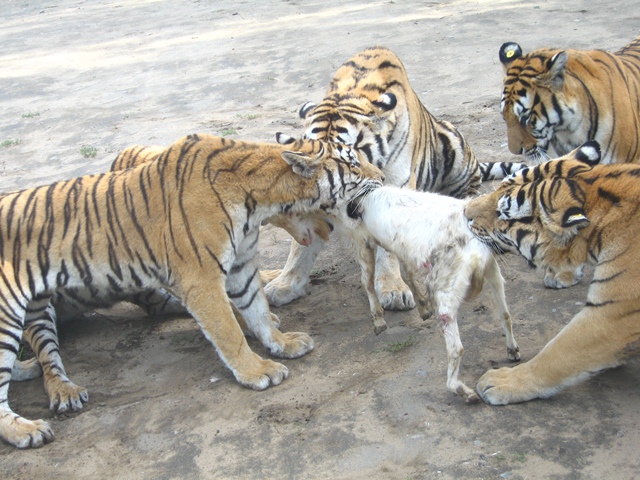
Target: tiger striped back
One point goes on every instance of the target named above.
(370, 104)
(563, 98)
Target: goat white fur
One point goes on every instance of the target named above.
(437, 251)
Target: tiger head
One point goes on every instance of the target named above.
(532, 87)
(364, 122)
(539, 212)
(345, 169)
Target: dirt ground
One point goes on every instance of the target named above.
(98, 76)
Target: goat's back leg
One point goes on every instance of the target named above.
(422, 294)
(366, 254)
(496, 282)
(449, 327)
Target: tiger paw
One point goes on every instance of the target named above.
(23, 433)
(275, 320)
(262, 375)
(65, 396)
(396, 299)
(503, 386)
(294, 345)
(285, 289)
(563, 279)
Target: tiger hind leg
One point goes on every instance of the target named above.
(41, 334)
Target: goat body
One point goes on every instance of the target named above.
(437, 251)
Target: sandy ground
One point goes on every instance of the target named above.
(105, 75)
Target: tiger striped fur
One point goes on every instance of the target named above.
(186, 223)
(67, 304)
(371, 105)
(563, 98)
(562, 215)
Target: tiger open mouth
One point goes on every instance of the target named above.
(354, 207)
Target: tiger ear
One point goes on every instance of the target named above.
(284, 139)
(564, 216)
(508, 53)
(556, 66)
(301, 163)
(588, 152)
(305, 109)
(386, 101)
(574, 217)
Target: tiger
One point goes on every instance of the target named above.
(559, 99)
(67, 304)
(186, 223)
(371, 105)
(564, 213)
(304, 227)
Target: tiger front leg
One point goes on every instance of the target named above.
(208, 303)
(14, 429)
(393, 293)
(245, 290)
(41, 334)
(591, 342)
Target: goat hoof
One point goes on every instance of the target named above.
(473, 398)
(378, 329)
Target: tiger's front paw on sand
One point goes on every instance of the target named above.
(263, 375)
(399, 298)
(296, 344)
(283, 290)
(560, 280)
(23, 433)
(504, 386)
(66, 396)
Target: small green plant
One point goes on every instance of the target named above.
(229, 131)
(248, 116)
(498, 456)
(87, 151)
(399, 346)
(10, 142)
(30, 114)
(520, 457)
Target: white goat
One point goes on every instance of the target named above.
(437, 251)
